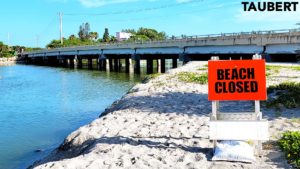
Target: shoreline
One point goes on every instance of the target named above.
(8, 61)
(161, 123)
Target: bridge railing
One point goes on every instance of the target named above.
(184, 38)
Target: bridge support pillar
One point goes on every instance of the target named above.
(99, 62)
(102, 62)
(127, 65)
(174, 63)
(116, 65)
(71, 63)
(162, 65)
(120, 65)
(184, 58)
(45, 60)
(137, 65)
(149, 66)
(63, 62)
(66, 63)
(298, 58)
(79, 63)
(110, 62)
(90, 63)
(55, 62)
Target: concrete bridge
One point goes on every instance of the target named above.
(278, 45)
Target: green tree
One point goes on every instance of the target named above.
(106, 37)
(132, 31)
(93, 36)
(6, 51)
(145, 34)
(72, 37)
(152, 34)
(113, 39)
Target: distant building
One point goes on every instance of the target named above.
(122, 36)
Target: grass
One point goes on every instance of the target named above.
(149, 77)
(268, 74)
(192, 77)
(273, 68)
(202, 68)
(276, 68)
(295, 120)
(286, 94)
(297, 68)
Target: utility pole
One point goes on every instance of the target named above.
(61, 27)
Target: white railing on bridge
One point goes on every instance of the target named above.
(183, 38)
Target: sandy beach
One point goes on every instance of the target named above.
(164, 124)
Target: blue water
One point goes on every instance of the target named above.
(40, 106)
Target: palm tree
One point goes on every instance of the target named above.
(93, 36)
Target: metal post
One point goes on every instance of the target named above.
(215, 106)
(257, 111)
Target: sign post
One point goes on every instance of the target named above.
(237, 80)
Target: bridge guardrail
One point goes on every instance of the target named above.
(182, 38)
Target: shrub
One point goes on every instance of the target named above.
(286, 94)
(192, 77)
(290, 145)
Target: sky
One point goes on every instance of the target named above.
(34, 23)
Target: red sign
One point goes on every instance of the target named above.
(237, 80)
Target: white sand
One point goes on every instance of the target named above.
(164, 124)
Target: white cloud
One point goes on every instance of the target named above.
(98, 3)
(182, 1)
(60, 1)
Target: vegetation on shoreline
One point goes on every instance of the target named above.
(7, 51)
(290, 145)
(149, 77)
(192, 77)
(286, 94)
(87, 37)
